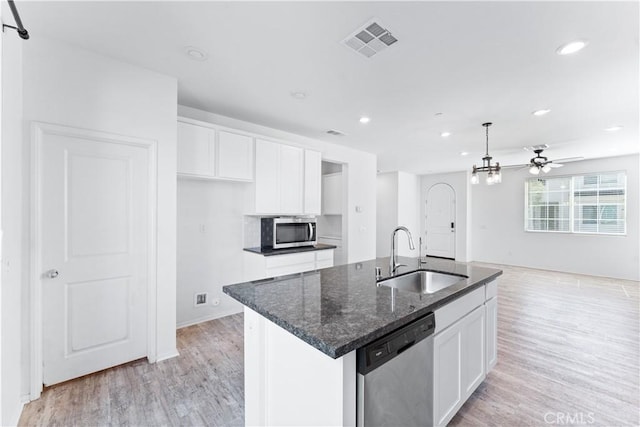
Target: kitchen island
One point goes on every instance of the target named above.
(302, 332)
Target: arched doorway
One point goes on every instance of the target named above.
(440, 225)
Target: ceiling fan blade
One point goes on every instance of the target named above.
(514, 166)
(569, 159)
(555, 165)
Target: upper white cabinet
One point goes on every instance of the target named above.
(332, 194)
(312, 182)
(235, 156)
(196, 150)
(291, 179)
(287, 179)
(205, 151)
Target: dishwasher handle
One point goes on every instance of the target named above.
(382, 350)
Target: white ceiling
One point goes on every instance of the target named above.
(472, 61)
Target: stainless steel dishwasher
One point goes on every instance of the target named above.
(395, 377)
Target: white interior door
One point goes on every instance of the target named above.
(440, 221)
(94, 216)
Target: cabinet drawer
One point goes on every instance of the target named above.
(450, 313)
(277, 261)
(491, 290)
(290, 269)
(324, 255)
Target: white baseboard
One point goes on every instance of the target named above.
(168, 355)
(13, 420)
(203, 319)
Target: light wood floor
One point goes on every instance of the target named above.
(568, 348)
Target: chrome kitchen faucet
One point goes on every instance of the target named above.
(393, 260)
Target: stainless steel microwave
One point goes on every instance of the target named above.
(287, 232)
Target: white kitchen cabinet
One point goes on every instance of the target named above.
(280, 179)
(332, 194)
(235, 156)
(258, 266)
(492, 333)
(267, 177)
(447, 375)
(312, 182)
(473, 351)
(205, 151)
(459, 354)
(196, 150)
(291, 179)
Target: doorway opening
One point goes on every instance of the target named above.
(440, 221)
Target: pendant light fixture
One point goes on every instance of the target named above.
(494, 176)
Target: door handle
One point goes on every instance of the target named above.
(310, 232)
(52, 274)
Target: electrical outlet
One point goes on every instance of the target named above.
(200, 299)
(215, 302)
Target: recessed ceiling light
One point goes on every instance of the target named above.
(571, 47)
(364, 119)
(298, 94)
(541, 112)
(464, 153)
(614, 128)
(445, 134)
(195, 53)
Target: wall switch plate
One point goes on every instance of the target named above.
(200, 299)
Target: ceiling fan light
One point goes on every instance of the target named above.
(534, 170)
(546, 168)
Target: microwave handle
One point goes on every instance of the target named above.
(310, 231)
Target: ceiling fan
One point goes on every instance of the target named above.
(542, 163)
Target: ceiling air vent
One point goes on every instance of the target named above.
(370, 39)
(335, 132)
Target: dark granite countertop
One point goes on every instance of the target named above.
(270, 252)
(340, 309)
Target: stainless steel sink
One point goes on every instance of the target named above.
(422, 281)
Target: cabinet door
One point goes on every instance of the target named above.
(267, 177)
(312, 182)
(235, 156)
(447, 375)
(332, 194)
(195, 150)
(492, 333)
(473, 351)
(291, 178)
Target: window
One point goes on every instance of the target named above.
(593, 203)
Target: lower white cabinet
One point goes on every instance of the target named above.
(459, 365)
(492, 332)
(258, 266)
(465, 349)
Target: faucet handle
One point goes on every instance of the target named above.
(378, 273)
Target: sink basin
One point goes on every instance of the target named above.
(422, 282)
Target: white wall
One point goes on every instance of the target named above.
(498, 227)
(460, 183)
(74, 87)
(397, 202)
(210, 243)
(408, 211)
(387, 205)
(11, 340)
(209, 260)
